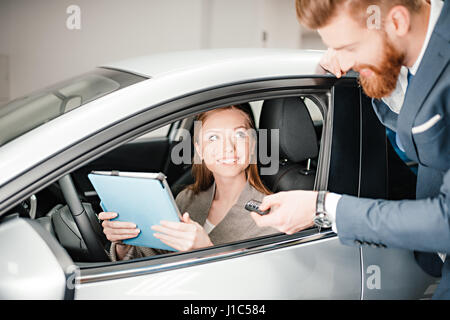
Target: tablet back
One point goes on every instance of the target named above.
(143, 201)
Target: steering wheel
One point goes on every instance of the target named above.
(94, 245)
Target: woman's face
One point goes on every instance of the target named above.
(225, 142)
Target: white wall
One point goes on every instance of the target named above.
(311, 40)
(4, 51)
(42, 50)
(280, 24)
(235, 24)
(4, 26)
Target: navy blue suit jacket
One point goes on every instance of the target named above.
(422, 224)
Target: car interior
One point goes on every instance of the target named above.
(300, 123)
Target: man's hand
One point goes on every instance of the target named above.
(331, 63)
(290, 211)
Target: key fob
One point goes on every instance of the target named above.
(253, 205)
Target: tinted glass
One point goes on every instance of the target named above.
(26, 113)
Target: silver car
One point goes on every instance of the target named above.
(130, 116)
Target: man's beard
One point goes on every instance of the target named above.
(384, 78)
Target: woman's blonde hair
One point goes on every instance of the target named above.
(203, 177)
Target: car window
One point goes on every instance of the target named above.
(158, 155)
(314, 112)
(26, 113)
(158, 133)
(256, 108)
(299, 169)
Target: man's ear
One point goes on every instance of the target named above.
(398, 22)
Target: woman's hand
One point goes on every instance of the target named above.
(116, 231)
(183, 236)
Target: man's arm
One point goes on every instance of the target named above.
(410, 224)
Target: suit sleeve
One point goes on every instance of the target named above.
(422, 225)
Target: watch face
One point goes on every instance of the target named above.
(321, 220)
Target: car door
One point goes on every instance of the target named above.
(311, 264)
(387, 273)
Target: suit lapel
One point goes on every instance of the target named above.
(434, 61)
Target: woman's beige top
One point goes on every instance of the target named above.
(236, 225)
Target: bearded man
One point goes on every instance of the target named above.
(401, 49)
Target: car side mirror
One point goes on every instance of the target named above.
(33, 264)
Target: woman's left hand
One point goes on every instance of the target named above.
(183, 236)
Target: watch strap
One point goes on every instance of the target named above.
(320, 204)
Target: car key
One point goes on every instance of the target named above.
(253, 205)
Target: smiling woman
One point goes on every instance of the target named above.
(225, 147)
(225, 178)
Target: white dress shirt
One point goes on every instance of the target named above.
(394, 101)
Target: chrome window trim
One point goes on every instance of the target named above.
(361, 259)
(321, 179)
(93, 275)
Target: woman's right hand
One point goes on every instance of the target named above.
(117, 231)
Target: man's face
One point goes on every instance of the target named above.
(367, 51)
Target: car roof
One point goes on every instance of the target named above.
(161, 64)
(170, 75)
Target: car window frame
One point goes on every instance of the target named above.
(91, 147)
(180, 108)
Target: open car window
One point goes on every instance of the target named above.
(154, 155)
(129, 157)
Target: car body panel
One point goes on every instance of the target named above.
(244, 63)
(323, 269)
(394, 274)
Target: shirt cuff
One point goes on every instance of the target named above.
(331, 202)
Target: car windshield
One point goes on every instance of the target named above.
(26, 113)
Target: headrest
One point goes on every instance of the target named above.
(298, 139)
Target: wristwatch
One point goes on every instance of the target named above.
(322, 219)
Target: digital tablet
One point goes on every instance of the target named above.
(141, 198)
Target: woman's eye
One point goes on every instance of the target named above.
(213, 137)
(241, 134)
